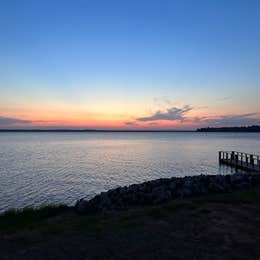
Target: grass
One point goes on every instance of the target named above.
(249, 196)
(14, 219)
(59, 218)
(49, 219)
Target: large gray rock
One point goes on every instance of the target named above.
(161, 190)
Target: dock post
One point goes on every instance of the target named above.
(236, 158)
(252, 160)
(240, 160)
(247, 160)
(219, 156)
(232, 156)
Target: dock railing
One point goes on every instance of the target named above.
(245, 161)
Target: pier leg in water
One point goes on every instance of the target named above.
(232, 156)
(252, 160)
(219, 156)
(244, 161)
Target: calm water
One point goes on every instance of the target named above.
(41, 168)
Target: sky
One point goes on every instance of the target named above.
(129, 64)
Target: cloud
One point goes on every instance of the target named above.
(130, 123)
(153, 123)
(164, 100)
(171, 114)
(224, 98)
(230, 120)
(7, 121)
(202, 107)
(233, 120)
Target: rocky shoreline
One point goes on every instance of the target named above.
(163, 190)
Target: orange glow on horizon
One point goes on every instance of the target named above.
(112, 118)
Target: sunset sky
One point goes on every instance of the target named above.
(129, 64)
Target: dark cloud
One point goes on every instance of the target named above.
(230, 120)
(130, 123)
(7, 121)
(198, 119)
(237, 120)
(171, 114)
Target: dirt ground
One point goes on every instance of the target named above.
(215, 227)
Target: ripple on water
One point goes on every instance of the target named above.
(42, 168)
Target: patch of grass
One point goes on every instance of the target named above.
(137, 216)
(250, 196)
(49, 220)
(28, 217)
(177, 204)
(161, 211)
(54, 219)
(90, 223)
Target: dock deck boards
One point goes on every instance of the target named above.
(244, 161)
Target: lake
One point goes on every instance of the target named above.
(56, 167)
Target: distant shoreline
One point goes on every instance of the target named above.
(245, 129)
(88, 130)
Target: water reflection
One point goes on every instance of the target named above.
(40, 168)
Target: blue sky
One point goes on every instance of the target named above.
(98, 61)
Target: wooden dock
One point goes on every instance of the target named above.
(244, 161)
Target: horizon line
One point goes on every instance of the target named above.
(92, 130)
(205, 129)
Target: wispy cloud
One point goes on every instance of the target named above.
(9, 121)
(153, 123)
(164, 100)
(224, 98)
(171, 114)
(13, 122)
(234, 120)
(202, 107)
(130, 123)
